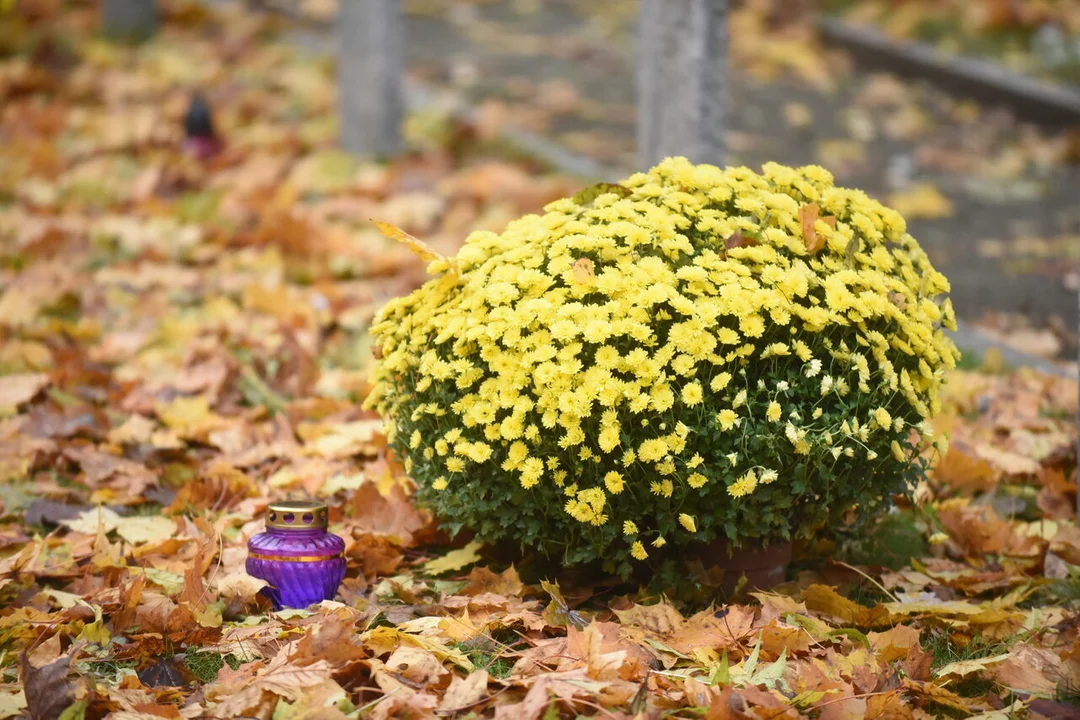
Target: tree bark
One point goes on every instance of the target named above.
(129, 20)
(371, 69)
(682, 80)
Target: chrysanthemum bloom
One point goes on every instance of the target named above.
(691, 354)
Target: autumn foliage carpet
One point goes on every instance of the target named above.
(183, 340)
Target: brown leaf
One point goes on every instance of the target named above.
(416, 665)
(47, 689)
(895, 643)
(464, 692)
(482, 580)
(737, 240)
(1030, 670)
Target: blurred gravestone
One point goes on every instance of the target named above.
(371, 67)
(682, 80)
(129, 20)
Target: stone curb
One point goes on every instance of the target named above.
(970, 339)
(1030, 98)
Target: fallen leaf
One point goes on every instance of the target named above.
(149, 529)
(18, 389)
(415, 664)
(808, 215)
(48, 692)
(454, 560)
(419, 248)
(584, 273)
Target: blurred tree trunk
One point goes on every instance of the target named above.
(371, 70)
(681, 80)
(129, 20)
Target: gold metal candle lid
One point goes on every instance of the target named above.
(297, 515)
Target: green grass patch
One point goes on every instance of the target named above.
(490, 653)
(891, 542)
(206, 665)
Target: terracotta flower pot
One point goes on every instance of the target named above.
(763, 566)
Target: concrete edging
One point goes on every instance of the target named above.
(1030, 98)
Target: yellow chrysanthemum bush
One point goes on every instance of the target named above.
(695, 353)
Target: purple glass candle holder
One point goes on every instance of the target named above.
(301, 561)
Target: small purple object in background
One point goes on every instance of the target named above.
(302, 562)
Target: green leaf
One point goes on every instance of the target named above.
(587, 195)
(75, 711)
(771, 674)
(558, 613)
(750, 664)
(722, 675)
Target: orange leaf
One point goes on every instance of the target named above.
(584, 270)
(419, 248)
(808, 215)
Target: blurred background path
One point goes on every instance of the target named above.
(995, 201)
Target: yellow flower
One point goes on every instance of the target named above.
(665, 487)
(629, 528)
(774, 411)
(651, 450)
(897, 451)
(883, 418)
(744, 485)
(439, 484)
(726, 419)
(720, 381)
(692, 394)
(768, 476)
(687, 521)
(637, 551)
(696, 480)
(659, 542)
(613, 481)
(531, 470)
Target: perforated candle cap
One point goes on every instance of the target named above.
(297, 515)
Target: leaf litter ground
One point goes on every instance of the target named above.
(184, 340)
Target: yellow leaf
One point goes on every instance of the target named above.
(419, 248)
(966, 667)
(172, 583)
(18, 389)
(12, 704)
(190, 415)
(387, 639)
(139, 530)
(87, 522)
(454, 560)
(922, 200)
